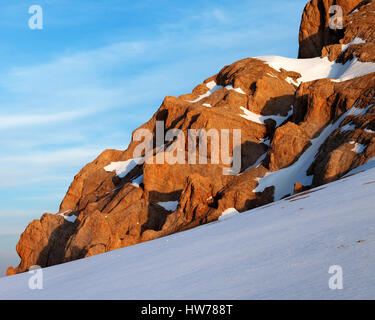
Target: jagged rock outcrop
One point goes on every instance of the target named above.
(321, 129)
(353, 143)
(315, 33)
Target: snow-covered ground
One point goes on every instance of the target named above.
(281, 251)
(320, 68)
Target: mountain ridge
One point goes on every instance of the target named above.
(287, 109)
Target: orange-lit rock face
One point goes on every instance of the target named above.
(103, 211)
(315, 32)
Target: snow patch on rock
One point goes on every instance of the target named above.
(228, 213)
(356, 40)
(138, 181)
(122, 168)
(169, 205)
(212, 87)
(347, 127)
(254, 117)
(358, 148)
(70, 219)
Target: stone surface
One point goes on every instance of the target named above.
(112, 212)
(314, 30)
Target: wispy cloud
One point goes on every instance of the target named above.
(66, 157)
(9, 121)
(43, 166)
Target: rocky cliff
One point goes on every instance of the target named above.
(303, 122)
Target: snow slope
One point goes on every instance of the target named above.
(320, 68)
(281, 251)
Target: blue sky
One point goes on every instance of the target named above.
(98, 70)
